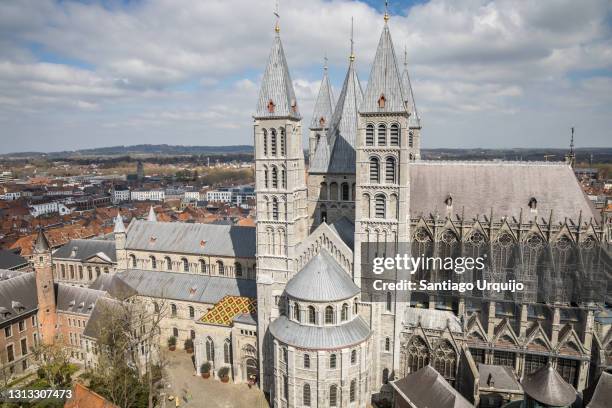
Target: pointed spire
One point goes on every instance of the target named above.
(41, 245)
(277, 96)
(384, 90)
(119, 226)
(324, 104)
(151, 216)
(409, 101)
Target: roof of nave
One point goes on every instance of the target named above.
(506, 188)
(230, 307)
(324, 104)
(17, 296)
(345, 229)
(276, 96)
(74, 299)
(192, 238)
(339, 155)
(84, 249)
(427, 388)
(181, 286)
(347, 334)
(322, 279)
(548, 387)
(433, 319)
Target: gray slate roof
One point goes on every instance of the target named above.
(338, 157)
(41, 244)
(384, 79)
(602, 394)
(22, 289)
(324, 104)
(102, 282)
(322, 279)
(83, 249)
(433, 319)
(182, 286)
(507, 187)
(104, 311)
(426, 388)
(276, 86)
(503, 378)
(74, 299)
(186, 238)
(10, 260)
(414, 120)
(548, 387)
(320, 338)
(345, 229)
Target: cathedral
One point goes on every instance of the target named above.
(322, 340)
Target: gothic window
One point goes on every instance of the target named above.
(306, 361)
(285, 387)
(394, 137)
(306, 395)
(210, 349)
(352, 390)
(133, 261)
(379, 206)
(265, 142)
(329, 315)
(344, 312)
(374, 170)
(274, 177)
(323, 191)
(417, 354)
(533, 203)
(332, 361)
(191, 312)
(311, 315)
(533, 362)
(153, 262)
(333, 191)
(445, 361)
(323, 213)
(296, 311)
(275, 209)
(382, 135)
(387, 344)
(365, 202)
(388, 302)
(345, 192)
(273, 142)
(478, 355)
(370, 135)
(353, 356)
(220, 268)
(173, 310)
(381, 101)
(238, 269)
(504, 358)
(227, 351)
(568, 370)
(411, 139)
(168, 262)
(390, 170)
(185, 264)
(283, 145)
(202, 265)
(333, 396)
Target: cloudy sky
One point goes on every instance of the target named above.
(485, 73)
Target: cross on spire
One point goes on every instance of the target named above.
(277, 14)
(386, 17)
(352, 57)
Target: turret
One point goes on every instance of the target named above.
(45, 289)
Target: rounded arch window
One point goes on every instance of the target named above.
(329, 315)
(370, 134)
(382, 134)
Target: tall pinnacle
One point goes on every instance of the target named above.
(151, 217)
(119, 226)
(409, 101)
(324, 104)
(41, 245)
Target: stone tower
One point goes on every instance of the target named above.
(282, 220)
(120, 241)
(382, 173)
(414, 121)
(321, 116)
(45, 289)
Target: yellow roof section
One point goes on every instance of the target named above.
(229, 307)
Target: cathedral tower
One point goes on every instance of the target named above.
(414, 121)
(321, 115)
(45, 289)
(282, 220)
(383, 214)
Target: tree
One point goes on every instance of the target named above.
(54, 364)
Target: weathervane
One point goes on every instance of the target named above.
(277, 14)
(386, 11)
(352, 57)
(325, 61)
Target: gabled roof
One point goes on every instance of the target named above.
(83, 249)
(339, 156)
(324, 104)
(548, 387)
(276, 87)
(10, 260)
(602, 394)
(345, 229)
(322, 279)
(74, 299)
(18, 290)
(385, 80)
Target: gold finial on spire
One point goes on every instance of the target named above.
(352, 57)
(277, 14)
(386, 11)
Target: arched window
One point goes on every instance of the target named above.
(333, 191)
(97, 271)
(387, 344)
(168, 262)
(352, 390)
(227, 351)
(265, 142)
(80, 272)
(445, 360)
(332, 361)
(333, 396)
(71, 272)
(63, 269)
(153, 262)
(379, 206)
(296, 311)
(390, 170)
(306, 361)
(220, 268)
(266, 177)
(275, 209)
(133, 261)
(382, 135)
(385, 376)
(283, 178)
(185, 264)
(89, 273)
(274, 177)
(175, 332)
(344, 312)
(191, 312)
(210, 349)
(323, 211)
(192, 334)
(417, 354)
(203, 268)
(394, 137)
(411, 138)
(374, 170)
(273, 142)
(156, 307)
(365, 202)
(238, 269)
(283, 145)
(311, 315)
(370, 135)
(306, 395)
(388, 302)
(353, 356)
(345, 192)
(173, 309)
(323, 191)
(329, 315)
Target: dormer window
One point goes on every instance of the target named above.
(81, 305)
(153, 239)
(72, 303)
(533, 204)
(294, 106)
(381, 101)
(74, 252)
(449, 201)
(322, 121)
(202, 243)
(271, 106)
(17, 306)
